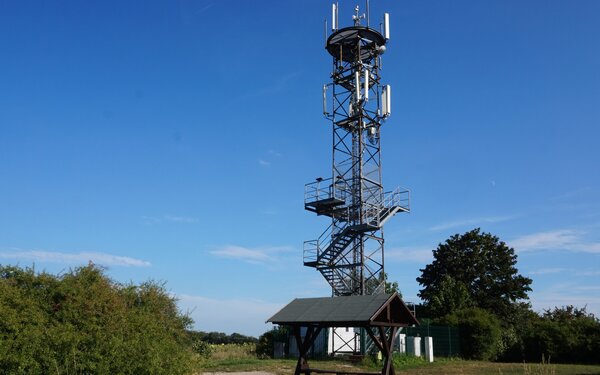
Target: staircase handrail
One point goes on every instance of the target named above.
(322, 189)
(371, 213)
(314, 191)
(310, 251)
(313, 251)
(399, 197)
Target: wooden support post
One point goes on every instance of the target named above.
(304, 346)
(301, 360)
(384, 344)
(374, 338)
(388, 366)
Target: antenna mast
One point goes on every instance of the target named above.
(349, 254)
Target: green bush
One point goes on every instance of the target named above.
(83, 322)
(480, 333)
(266, 342)
(564, 335)
(265, 345)
(202, 348)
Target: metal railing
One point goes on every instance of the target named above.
(379, 289)
(399, 197)
(312, 248)
(374, 212)
(311, 251)
(317, 190)
(371, 213)
(322, 189)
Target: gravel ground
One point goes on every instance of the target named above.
(239, 373)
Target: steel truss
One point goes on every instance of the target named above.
(350, 252)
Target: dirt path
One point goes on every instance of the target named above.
(239, 373)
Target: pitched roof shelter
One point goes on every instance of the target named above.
(379, 311)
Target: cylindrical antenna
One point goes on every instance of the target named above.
(383, 103)
(368, 17)
(386, 26)
(334, 14)
(366, 85)
(357, 85)
(325, 100)
(325, 31)
(387, 101)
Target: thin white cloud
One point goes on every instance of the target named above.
(545, 301)
(169, 218)
(181, 219)
(587, 288)
(223, 315)
(586, 247)
(150, 220)
(570, 271)
(546, 271)
(191, 12)
(313, 286)
(565, 294)
(275, 87)
(544, 240)
(588, 273)
(418, 255)
(564, 239)
(266, 161)
(74, 258)
(572, 194)
(470, 222)
(259, 255)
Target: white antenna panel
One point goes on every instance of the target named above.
(386, 25)
(325, 100)
(357, 85)
(387, 101)
(366, 85)
(333, 17)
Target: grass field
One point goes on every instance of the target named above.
(232, 358)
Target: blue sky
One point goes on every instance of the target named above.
(171, 140)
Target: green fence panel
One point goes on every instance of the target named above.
(445, 339)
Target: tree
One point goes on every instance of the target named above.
(451, 296)
(391, 286)
(480, 264)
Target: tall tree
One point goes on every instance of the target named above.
(479, 263)
(391, 286)
(450, 296)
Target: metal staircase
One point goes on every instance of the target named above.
(333, 254)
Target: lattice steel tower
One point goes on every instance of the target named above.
(349, 253)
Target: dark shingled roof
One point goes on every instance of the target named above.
(375, 309)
